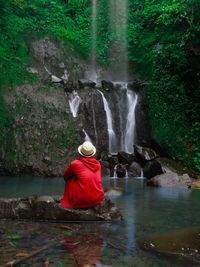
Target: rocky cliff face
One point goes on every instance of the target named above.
(44, 136)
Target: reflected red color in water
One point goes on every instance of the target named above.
(86, 248)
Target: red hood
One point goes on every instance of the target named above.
(90, 163)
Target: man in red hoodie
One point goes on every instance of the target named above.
(83, 180)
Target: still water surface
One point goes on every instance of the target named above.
(146, 210)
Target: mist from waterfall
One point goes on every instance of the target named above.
(118, 31)
(94, 32)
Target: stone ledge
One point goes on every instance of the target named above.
(48, 208)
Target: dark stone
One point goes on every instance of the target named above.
(136, 85)
(171, 179)
(121, 170)
(107, 85)
(86, 83)
(105, 168)
(134, 170)
(151, 169)
(69, 87)
(93, 121)
(144, 154)
(48, 208)
(182, 244)
(125, 158)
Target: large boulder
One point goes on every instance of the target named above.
(134, 170)
(86, 83)
(151, 169)
(48, 208)
(107, 85)
(183, 244)
(121, 170)
(169, 165)
(105, 168)
(171, 180)
(125, 158)
(144, 154)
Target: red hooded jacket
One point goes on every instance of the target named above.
(83, 184)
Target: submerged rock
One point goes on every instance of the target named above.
(113, 191)
(48, 208)
(183, 244)
(171, 180)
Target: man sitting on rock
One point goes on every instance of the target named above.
(83, 180)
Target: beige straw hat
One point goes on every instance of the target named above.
(87, 149)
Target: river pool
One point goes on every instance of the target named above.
(146, 210)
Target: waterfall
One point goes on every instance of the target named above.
(87, 138)
(74, 102)
(142, 173)
(94, 122)
(111, 134)
(130, 124)
(115, 172)
(121, 132)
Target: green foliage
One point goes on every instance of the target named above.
(163, 44)
(68, 20)
(163, 37)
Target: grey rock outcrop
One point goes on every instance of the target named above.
(48, 208)
(171, 180)
(169, 165)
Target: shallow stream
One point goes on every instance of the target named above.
(146, 210)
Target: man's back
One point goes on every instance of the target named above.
(83, 183)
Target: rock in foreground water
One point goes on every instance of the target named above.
(183, 244)
(171, 180)
(48, 208)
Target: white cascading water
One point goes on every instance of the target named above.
(130, 124)
(111, 134)
(142, 173)
(74, 102)
(115, 172)
(87, 138)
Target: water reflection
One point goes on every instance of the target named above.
(146, 210)
(85, 248)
